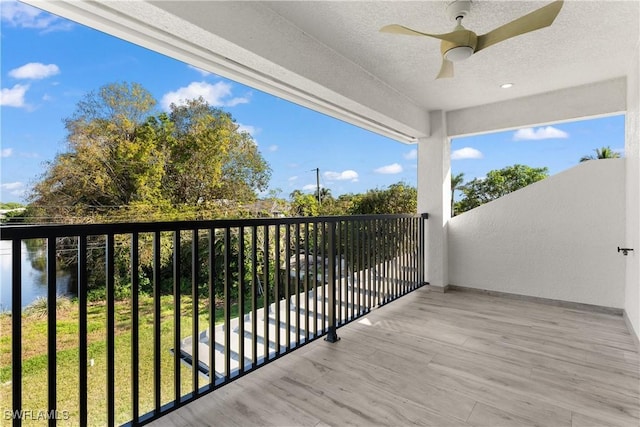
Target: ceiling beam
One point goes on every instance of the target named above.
(237, 42)
(575, 103)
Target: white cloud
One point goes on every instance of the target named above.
(217, 95)
(548, 132)
(24, 16)
(389, 169)
(466, 153)
(251, 130)
(6, 152)
(311, 187)
(14, 188)
(347, 175)
(34, 71)
(202, 72)
(12, 185)
(13, 97)
(411, 155)
(293, 178)
(273, 148)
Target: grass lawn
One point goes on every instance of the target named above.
(34, 350)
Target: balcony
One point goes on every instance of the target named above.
(227, 297)
(444, 359)
(465, 357)
(561, 354)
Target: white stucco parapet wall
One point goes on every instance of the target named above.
(554, 239)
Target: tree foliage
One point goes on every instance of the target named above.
(456, 185)
(601, 153)
(496, 184)
(123, 162)
(397, 199)
(303, 204)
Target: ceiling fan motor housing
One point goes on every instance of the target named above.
(458, 9)
(462, 48)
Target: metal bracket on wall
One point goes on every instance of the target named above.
(625, 251)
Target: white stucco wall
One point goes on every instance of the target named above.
(554, 239)
(632, 153)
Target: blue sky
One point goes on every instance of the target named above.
(48, 64)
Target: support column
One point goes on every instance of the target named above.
(632, 189)
(434, 197)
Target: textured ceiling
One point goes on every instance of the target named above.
(589, 41)
(330, 55)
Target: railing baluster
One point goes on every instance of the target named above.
(393, 254)
(51, 327)
(111, 380)
(82, 330)
(371, 248)
(254, 297)
(351, 269)
(212, 307)
(331, 234)
(323, 254)
(176, 316)
(394, 258)
(227, 303)
(265, 293)
(404, 228)
(135, 363)
(287, 290)
(307, 256)
(157, 379)
(276, 289)
(337, 255)
(416, 251)
(195, 296)
(241, 286)
(409, 255)
(315, 279)
(358, 265)
(297, 282)
(16, 329)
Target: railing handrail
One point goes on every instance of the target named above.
(37, 231)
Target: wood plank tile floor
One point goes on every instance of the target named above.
(452, 359)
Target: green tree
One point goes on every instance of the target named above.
(106, 160)
(496, 184)
(209, 159)
(124, 163)
(303, 204)
(601, 153)
(456, 185)
(398, 198)
(324, 195)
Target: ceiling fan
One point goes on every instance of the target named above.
(462, 43)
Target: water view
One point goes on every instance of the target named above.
(34, 278)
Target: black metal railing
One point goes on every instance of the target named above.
(190, 306)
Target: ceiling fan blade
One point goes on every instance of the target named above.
(446, 70)
(453, 37)
(535, 20)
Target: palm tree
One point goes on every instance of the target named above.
(456, 184)
(325, 194)
(602, 153)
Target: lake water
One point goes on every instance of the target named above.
(34, 282)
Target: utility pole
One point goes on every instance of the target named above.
(317, 184)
